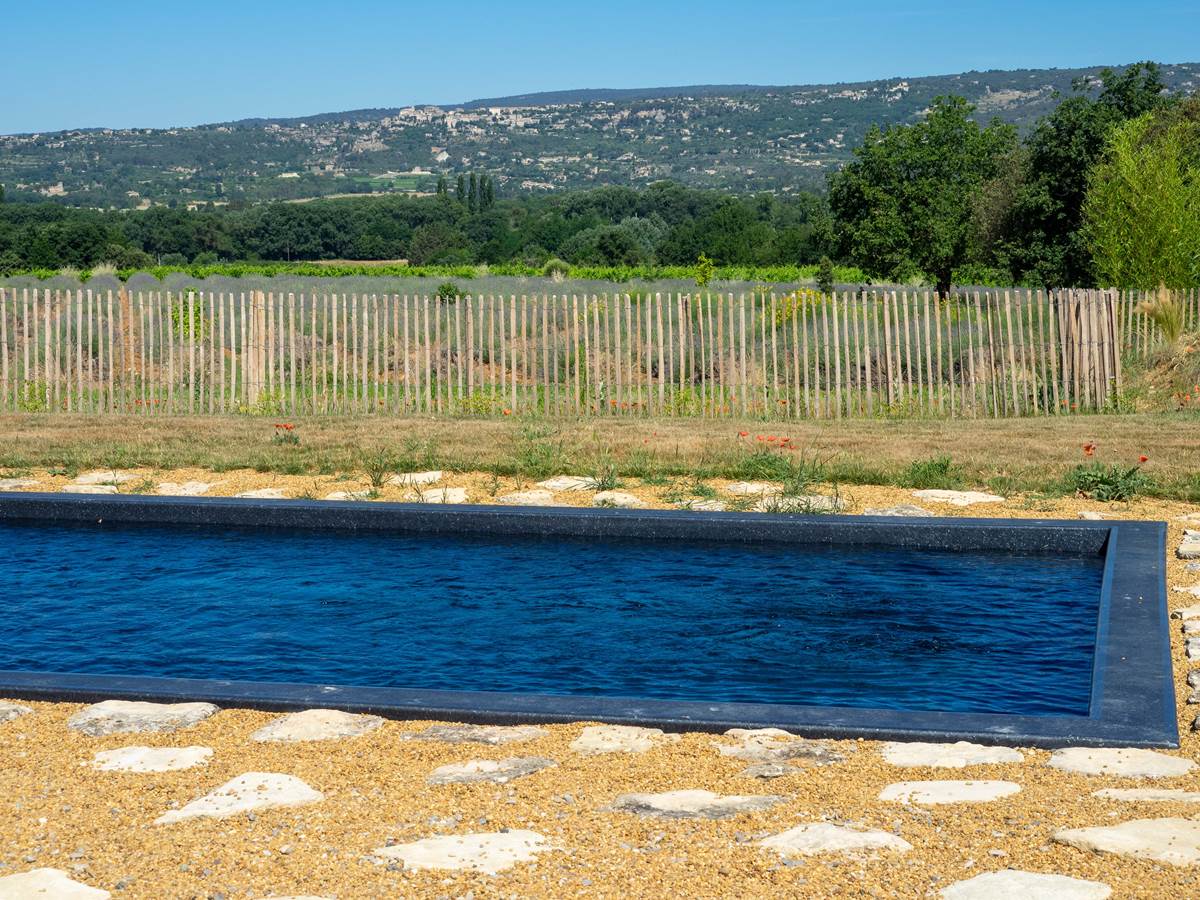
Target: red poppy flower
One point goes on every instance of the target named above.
(1143, 459)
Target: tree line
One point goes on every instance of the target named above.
(1104, 190)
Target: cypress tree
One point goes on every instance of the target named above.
(441, 186)
(489, 194)
(460, 190)
(473, 194)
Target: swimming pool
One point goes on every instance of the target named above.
(818, 624)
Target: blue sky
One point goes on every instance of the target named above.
(129, 62)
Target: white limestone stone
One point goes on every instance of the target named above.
(1191, 647)
(934, 793)
(618, 499)
(568, 483)
(692, 804)
(52, 884)
(486, 852)
(349, 495)
(186, 489)
(1093, 516)
(774, 745)
(957, 498)
(1189, 547)
(494, 735)
(88, 489)
(906, 510)
(619, 739)
(822, 837)
(707, 505)
(317, 725)
(801, 503)
(752, 488)
(105, 476)
(768, 770)
(151, 759)
(1191, 627)
(1172, 841)
(1193, 591)
(16, 484)
(1187, 612)
(948, 756)
(537, 497)
(10, 711)
(1148, 795)
(1014, 884)
(1123, 762)
(263, 494)
(499, 771)
(135, 717)
(245, 793)
(415, 479)
(444, 495)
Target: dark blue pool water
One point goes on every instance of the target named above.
(865, 627)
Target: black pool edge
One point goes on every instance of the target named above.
(1133, 691)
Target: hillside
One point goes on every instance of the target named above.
(736, 137)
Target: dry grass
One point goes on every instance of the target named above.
(1027, 454)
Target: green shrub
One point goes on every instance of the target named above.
(448, 290)
(1108, 483)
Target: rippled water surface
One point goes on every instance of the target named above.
(865, 627)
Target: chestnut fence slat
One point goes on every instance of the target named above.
(878, 352)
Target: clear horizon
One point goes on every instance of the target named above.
(156, 67)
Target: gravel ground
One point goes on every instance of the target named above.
(56, 811)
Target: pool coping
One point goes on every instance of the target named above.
(1133, 696)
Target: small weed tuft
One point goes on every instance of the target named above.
(938, 472)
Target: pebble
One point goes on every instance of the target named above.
(1172, 841)
(263, 494)
(135, 716)
(151, 759)
(52, 884)
(186, 489)
(822, 837)
(931, 793)
(904, 510)
(619, 739)
(444, 495)
(957, 498)
(10, 711)
(498, 771)
(487, 852)
(317, 725)
(948, 756)
(1128, 762)
(478, 734)
(775, 745)
(692, 804)
(568, 483)
(415, 479)
(1014, 884)
(527, 498)
(245, 793)
(617, 500)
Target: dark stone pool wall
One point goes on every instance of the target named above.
(1132, 698)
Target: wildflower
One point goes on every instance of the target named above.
(759, 437)
(1089, 449)
(507, 411)
(1143, 458)
(743, 433)
(771, 438)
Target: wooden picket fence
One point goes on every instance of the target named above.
(872, 353)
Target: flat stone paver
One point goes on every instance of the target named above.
(1172, 841)
(822, 837)
(1187, 612)
(245, 793)
(1148, 795)
(487, 852)
(957, 498)
(775, 745)
(136, 717)
(707, 505)
(10, 711)
(692, 804)
(568, 483)
(1193, 591)
(105, 476)
(768, 770)
(51, 884)
(151, 759)
(1014, 884)
(88, 489)
(617, 499)
(904, 510)
(317, 725)
(415, 479)
(933, 793)
(263, 494)
(1092, 515)
(1189, 547)
(494, 735)
(1122, 762)
(16, 484)
(752, 488)
(348, 495)
(498, 771)
(947, 756)
(527, 498)
(801, 503)
(444, 495)
(619, 739)
(186, 489)
(1191, 647)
